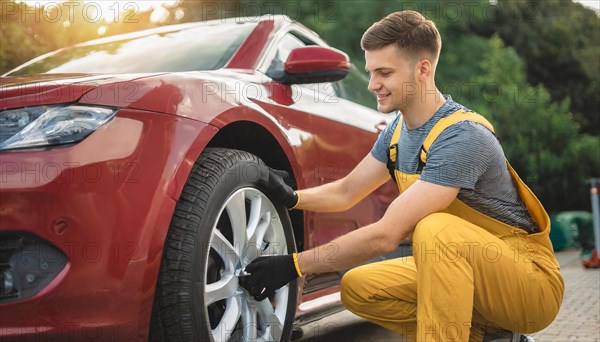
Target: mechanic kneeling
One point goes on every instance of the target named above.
(482, 264)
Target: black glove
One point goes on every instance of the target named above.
(279, 185)
(267, 274)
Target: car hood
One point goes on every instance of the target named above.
(45, 89)
(198, 95)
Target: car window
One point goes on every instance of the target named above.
(203, 47)
(288, 43)
(353, 87)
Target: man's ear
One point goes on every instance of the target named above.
(423, 70)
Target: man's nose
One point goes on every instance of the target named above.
(374, 85)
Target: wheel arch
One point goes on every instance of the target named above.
(254, 138)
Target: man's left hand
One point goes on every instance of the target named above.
(267, 274)
(278, 184)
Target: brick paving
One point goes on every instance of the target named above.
(579, 316)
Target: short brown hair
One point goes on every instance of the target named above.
(409, 30)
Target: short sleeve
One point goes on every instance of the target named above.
(460, 155)
(381, 146)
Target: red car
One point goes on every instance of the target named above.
(129, 196)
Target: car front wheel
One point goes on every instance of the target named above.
(222, 221)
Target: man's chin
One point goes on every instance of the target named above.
(386, 109)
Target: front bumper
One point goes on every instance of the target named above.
(106, 203)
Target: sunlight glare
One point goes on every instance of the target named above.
(112, 11)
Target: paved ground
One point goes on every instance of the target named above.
(579, 316)
(578, 320)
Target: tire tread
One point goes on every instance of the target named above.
(172, 320)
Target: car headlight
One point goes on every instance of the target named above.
(49, 125)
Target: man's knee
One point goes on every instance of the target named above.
(431, 226)
(350, 289)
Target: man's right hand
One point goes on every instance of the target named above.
(279, 185)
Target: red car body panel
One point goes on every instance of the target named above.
(83, 198)
(26, 91)
(248, 55)
(108, 200)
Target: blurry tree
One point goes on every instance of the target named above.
(27, 31)
(560, 44)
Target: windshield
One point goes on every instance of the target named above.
(204, 47)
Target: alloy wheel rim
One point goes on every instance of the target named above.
(248, 226)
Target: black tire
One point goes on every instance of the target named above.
(180, 312)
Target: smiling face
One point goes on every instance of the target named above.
(393, 78)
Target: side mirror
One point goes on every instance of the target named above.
(312, 64)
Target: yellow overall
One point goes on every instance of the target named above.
(469, 275)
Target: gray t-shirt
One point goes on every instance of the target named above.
(465, 155)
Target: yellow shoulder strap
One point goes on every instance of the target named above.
(445, 122)
(394, 141)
